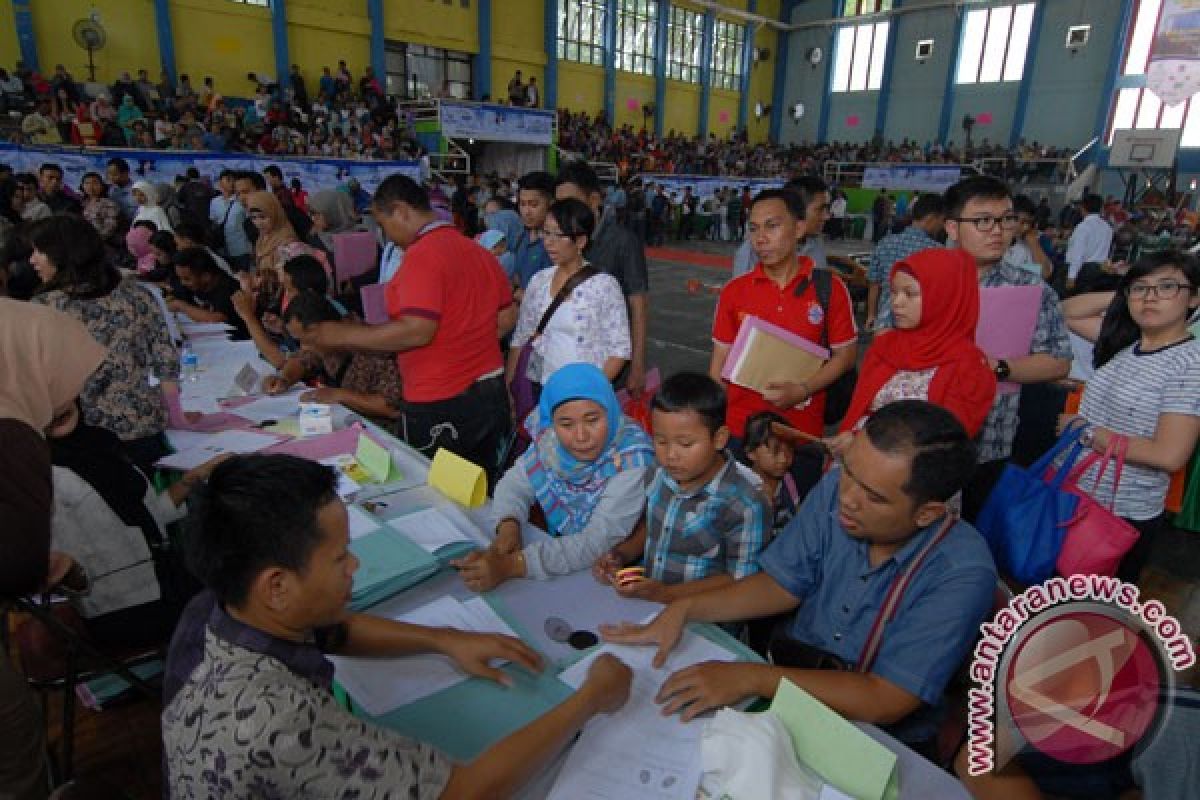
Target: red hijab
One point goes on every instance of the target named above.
(963, 384)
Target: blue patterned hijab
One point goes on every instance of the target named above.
(568, 489)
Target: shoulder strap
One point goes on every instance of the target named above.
(891, 600)
(573, 283)
(823, 281)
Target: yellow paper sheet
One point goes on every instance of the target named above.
(768, 360)
(458, 479)
(839, 752)
(373, 458)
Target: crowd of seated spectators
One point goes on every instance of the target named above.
(335, 117)
(637, 151)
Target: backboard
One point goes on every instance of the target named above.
(1144, 149)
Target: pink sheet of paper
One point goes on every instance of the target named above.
(316, 448)
(374, 302)
(1007, 319)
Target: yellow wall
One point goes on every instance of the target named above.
(722, 102)
(762, 74)
(129, 24)
(227, 40)
(320, 38)
(10, 49)
(580, 87)
(682, 108)
(517, 43)
(222, 40)
(633, 92)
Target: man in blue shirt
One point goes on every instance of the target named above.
(929, 218)
(535, 193)
(878, 520)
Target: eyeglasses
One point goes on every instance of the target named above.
(1166, 290)
(987, 223)
(548, 234)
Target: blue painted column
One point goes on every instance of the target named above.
(885, 83)
(610, 62)
(748, 62)
(280, 38)
(1108, 95)
(23, 19)
(550, 42)
(827, 80)
(1035, 33)
(706, 53)
(166, 38)
(951, 69)
(779, 82)
(483, 61)
(660, 64)
(378, 51)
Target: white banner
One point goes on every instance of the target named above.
(497, 123)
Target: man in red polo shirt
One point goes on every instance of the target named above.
(449, 304)
(770, 292)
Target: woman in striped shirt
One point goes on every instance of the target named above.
(1147, 389)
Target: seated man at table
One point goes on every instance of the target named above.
(255, 715)
(878, 521)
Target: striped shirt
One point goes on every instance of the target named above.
(1127, 395)
(719, 528)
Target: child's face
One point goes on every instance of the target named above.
(686, 448)
(772, 459)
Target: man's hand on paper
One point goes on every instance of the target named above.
(703, 687)
(606, 566)
(273, 384)
(473, 652)
(640, 589)
(664, 630)
(786, 394)
(608, 682)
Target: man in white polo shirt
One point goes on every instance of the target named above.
(1092, 238)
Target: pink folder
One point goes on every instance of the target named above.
(315, 448)
(1007, 319)
(354, 254)
(374, 303)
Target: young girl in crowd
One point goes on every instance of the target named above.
(1147, 389)
(770, 457)
(931, 353)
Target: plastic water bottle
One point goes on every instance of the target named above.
(190, 364)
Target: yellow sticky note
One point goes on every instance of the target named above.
(458, 479)
(373, 458)
(837, 750)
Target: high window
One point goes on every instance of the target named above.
(581, 31)
(686, 33)
(994, 43)
(729, 42)
(1138, 107)
(637, 24)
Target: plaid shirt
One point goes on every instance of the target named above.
(719, 528)
(1050, 337)
(893, 248)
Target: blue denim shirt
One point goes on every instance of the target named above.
(936, 622)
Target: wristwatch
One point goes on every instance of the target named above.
(1002, 370)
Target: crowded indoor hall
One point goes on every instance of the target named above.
(609, 399)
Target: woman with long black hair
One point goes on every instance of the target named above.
(1147, 389)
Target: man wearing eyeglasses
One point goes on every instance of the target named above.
(980, 219)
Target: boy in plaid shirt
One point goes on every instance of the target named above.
(706, 520)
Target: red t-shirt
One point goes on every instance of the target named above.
(449, 278)
(755, 294)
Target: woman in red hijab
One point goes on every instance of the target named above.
(931, 354)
